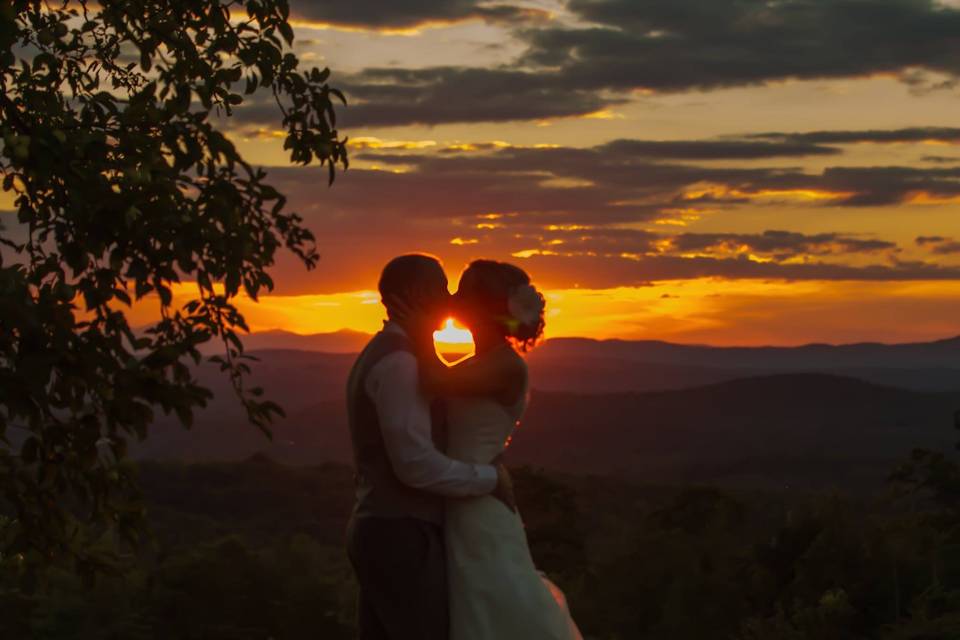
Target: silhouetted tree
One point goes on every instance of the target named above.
(125, 186)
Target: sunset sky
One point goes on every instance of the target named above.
(690, 170)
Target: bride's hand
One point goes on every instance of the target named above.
(504, 489)
(412, 313)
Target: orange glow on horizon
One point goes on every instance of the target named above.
(703, 311)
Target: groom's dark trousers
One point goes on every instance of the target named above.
(395, 539)
(401, 566)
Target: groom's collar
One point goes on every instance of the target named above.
(389, 326)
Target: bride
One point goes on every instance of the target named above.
(496, 592)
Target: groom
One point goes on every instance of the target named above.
(395, 536)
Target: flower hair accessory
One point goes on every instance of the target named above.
(525, 305)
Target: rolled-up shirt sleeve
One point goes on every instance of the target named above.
(404, 415)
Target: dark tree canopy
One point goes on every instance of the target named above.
(109, 113)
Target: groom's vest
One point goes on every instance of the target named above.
(379, 492)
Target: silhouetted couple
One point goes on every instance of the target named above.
(435, 540)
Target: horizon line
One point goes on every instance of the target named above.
(355, 332)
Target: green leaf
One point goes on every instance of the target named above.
(286, 31)
(133, 187)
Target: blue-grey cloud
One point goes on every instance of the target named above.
(676, 45)
(939, 245)
(442, 95)
(660, 45)
(945, 135)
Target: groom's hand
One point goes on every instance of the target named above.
(504, 489)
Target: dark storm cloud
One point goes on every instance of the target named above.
(616, 271)
(880, 186)
(632, 170)
(464, 196)
(562, 185)
(781, 245)
(439, 95)
(384, 97)
(663, 45)
(718, 149)
(567, 236)
(675, 45)
(945, 135)
(631, 165)
(947, 248)
(590, 212)
(938, 245)
(403, 14)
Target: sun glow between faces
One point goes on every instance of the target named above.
(453, 342)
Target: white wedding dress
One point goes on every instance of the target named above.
(496, 592)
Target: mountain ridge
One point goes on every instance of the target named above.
(350, 339)
(804, 430)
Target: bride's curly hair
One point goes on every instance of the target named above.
(492, 288)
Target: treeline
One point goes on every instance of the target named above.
(254, 550)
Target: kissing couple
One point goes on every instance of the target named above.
(435, 539)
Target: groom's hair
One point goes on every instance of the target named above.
(404, 274)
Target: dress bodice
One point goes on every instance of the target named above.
(479, 428)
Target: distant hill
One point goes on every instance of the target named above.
(344, 341)
(801, 430)
(622, 365)
(553, 370)
(802, 416)
(941, 353)
(585, 365)
(605, 366)
(936, 354)
(795, 429)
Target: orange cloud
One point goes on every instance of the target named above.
(371, 142)
(416, 27)
(388, 31)
(926, 198)
(723, 192)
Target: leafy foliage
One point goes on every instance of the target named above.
(113, 157)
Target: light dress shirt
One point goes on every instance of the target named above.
(393, 384)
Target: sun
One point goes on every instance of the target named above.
(453, 342)
(453, 334)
